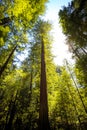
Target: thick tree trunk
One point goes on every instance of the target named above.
(43, 114)
(7, 60)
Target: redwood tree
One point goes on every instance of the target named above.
(43, 115)
(41, 36)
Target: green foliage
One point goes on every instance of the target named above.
(73, 22)
(20, 81)
(81, 70)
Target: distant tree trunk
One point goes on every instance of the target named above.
(76, 87)
(74, 105)
(7, 61)
(43, 114)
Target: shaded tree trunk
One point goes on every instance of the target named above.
(11, 114)
(43, 114)
(7, 61)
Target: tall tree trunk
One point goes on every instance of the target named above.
(43, 114)
(74, 105)
(76, 87)
(7, 61)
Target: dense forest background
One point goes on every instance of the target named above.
(35, 94)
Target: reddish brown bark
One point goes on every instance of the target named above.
(43, 115)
